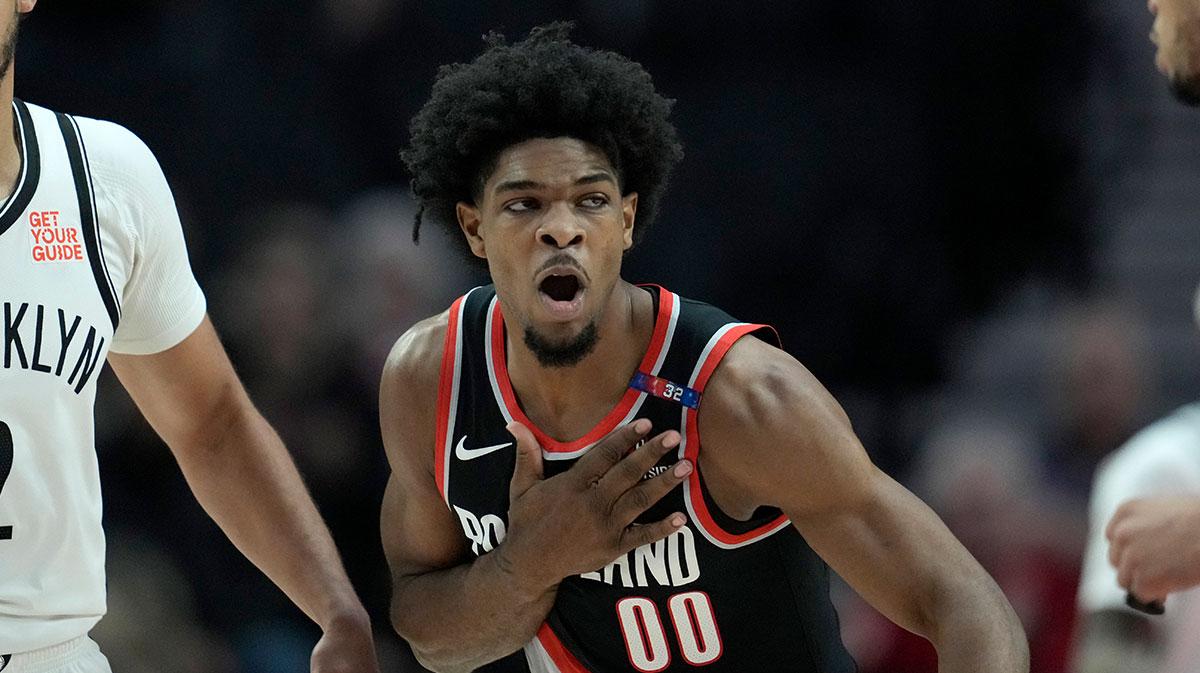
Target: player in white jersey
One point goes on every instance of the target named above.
(1144, 539)
(93, 265)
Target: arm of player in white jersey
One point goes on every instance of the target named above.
(244, 478)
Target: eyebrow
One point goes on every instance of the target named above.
(519, 185)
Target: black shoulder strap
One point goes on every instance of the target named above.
(87, 215)
(31, 167)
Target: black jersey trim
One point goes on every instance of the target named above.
(87, 214)
(31, 167)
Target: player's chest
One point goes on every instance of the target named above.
(481, 458)
(54, 324)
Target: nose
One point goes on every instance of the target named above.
(560, 227)
(1152, 5)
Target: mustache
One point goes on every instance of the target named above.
(564, 259)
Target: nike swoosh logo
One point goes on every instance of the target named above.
(463, 453)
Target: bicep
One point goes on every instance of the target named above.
(418, 530)
(420, 533)
(183, 390)
(778, 435)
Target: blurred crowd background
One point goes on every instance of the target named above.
(974, 222)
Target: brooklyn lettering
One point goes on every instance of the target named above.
(33, 341)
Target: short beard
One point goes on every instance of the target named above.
(9, 49)
(1186, 89)
(565, 354)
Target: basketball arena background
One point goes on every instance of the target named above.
(969, 220)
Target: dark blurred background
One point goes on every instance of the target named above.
(971, 221)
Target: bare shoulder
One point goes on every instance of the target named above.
(773, 435)
(408, 391)
(756, 381)
(416, 357)
(419, 532)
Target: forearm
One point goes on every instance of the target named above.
(976, 631)
(468, 615)
(246, 481)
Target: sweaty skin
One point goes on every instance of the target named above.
(771, 436)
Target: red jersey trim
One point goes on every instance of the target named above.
(447, 398)
(666, 304)
(691, 450)
(559, 654)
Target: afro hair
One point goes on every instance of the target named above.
(543, 87)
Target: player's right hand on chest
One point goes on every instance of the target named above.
(583, 519)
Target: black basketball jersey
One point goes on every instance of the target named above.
(722, 594)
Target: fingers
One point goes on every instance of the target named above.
(1115, 548)
(609, 451)
(1124, 572)
(642, 496)
(528, 469)
(631, 469)
(1146, 590)
(1124, 511)
(643, 534)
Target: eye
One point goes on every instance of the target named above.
(521, 205)
(594, 201)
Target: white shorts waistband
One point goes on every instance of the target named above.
(47, 656)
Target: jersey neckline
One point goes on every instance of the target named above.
(651, 361)
(31, 166)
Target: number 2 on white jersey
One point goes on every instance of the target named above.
(646, 638)
(6, 459)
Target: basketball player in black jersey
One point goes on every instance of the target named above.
(531, 523)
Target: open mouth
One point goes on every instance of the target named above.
(562, 290)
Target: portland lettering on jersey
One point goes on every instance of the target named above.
(484, 532)
(669, 563)
(31, 344)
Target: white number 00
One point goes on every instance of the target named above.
(646, 639)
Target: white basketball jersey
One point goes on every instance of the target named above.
(91, 260)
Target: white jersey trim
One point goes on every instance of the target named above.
(691, 486)
(452, 413)
(633, 410)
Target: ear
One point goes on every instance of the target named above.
(628, 213)
(25, 5)
(470, 221)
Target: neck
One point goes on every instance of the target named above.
(10, 153)
(567, 402)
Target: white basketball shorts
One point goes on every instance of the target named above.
(80, 655)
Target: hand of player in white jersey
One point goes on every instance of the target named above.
(1155, 545)
(345, 649)
(582, 519)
